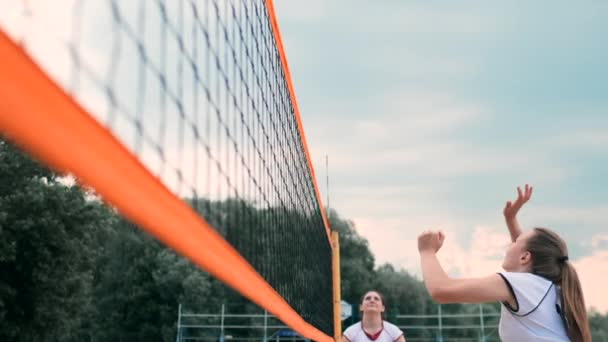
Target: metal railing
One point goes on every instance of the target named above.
(439, 327)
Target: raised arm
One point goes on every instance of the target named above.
(512, 208)
(444, 289)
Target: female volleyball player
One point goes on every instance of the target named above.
(540, 291)
(372, 326)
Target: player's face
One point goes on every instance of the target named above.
(372, 302)
(516, 258)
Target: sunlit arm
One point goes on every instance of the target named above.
(444, 289)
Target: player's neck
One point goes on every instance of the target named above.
(372, 322)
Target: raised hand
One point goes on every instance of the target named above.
(512, 208)
(430, 241)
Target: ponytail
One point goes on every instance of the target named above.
(574, 308)
(550, 260)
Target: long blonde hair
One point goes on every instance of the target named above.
(550, 260)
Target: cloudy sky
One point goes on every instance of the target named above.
(433, 113)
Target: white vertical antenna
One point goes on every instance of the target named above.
(327, 183)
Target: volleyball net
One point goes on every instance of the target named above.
(182, 115)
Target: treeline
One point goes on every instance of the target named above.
(71, 269)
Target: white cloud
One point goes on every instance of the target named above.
(482, 258)
(418, 132)
(391, 17)
(593, 274)
(44, 28)
(594, 215)
(394, 240)
(599, 241)
(590, 139)
(406, 131)
(300, 11)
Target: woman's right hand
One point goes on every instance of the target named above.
(512, 208)
(430, 241)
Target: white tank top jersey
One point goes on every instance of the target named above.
(389, 333)
(537, 315)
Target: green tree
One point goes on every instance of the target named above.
(45, 265)
(599, 326)
(140, 286)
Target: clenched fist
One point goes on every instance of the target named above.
(430, 241)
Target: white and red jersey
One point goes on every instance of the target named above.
(389, 333)
(537, 313)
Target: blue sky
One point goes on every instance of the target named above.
(433, 113)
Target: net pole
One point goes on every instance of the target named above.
(327, 184)
(222, 324)
(336, 282)
(265, 325)
(179, 322)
